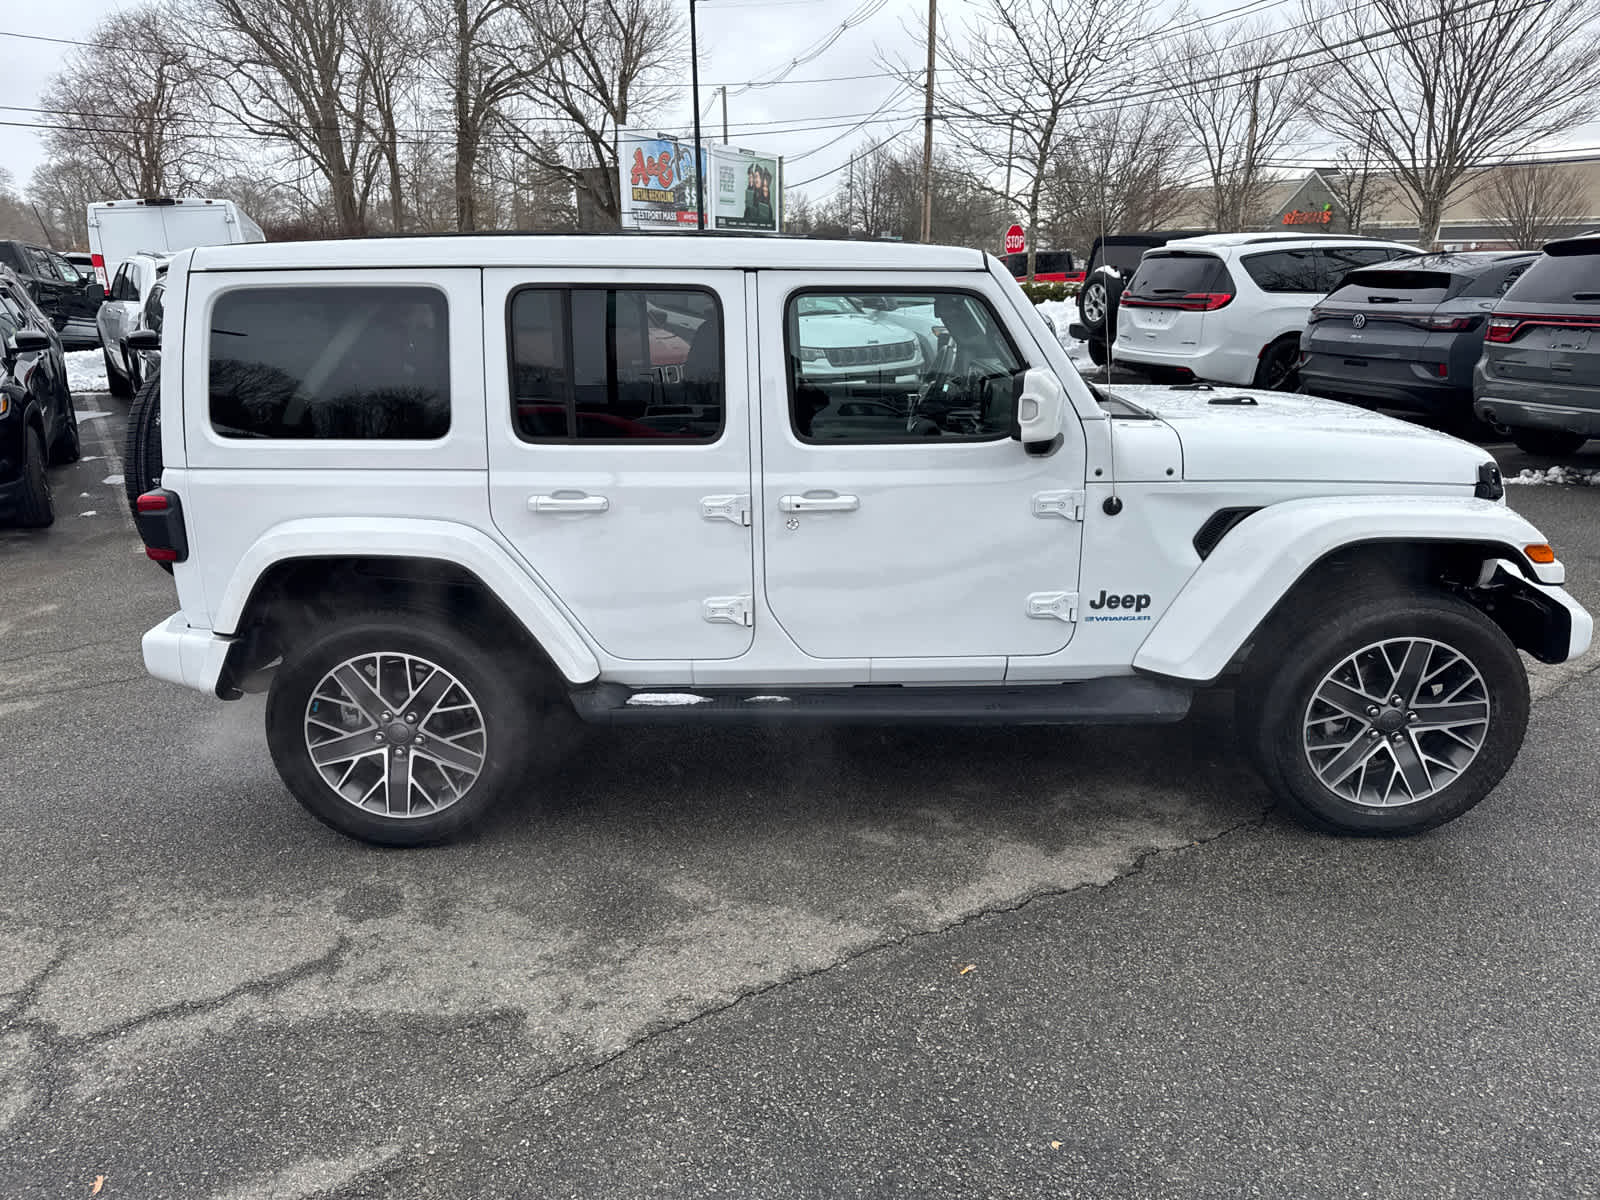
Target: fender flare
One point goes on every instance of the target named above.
(1256, 564)
(443, 541)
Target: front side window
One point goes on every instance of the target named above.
(122, 286)
(330, 362)
(899, 367)
(12, 315)
(153, 308)
(1285, 271)
(616, 364)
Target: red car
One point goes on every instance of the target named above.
(1050, 266)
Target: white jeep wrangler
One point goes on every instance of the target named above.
(436, 495)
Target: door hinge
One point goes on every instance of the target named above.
(726, 508)
(1057, 606)
(728, 610)
(1068, 505)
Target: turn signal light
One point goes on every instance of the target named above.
(1540, 553)
(161, 554)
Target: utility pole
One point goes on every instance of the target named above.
(724, 114)
(927, 129)
(694, 83)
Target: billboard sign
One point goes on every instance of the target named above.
(743, 191)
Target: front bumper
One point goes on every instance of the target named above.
(183, 655)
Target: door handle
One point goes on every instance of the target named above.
(821, 502)
(568, 504)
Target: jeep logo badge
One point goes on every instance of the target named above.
(1137, 603)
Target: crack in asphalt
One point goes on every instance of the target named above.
(1135, 868)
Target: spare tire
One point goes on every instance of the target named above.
(1097, 305)
(141, 459)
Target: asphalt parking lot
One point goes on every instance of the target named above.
(780, 964)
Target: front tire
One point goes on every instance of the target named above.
(1548, 443)
(117, 382)
(1341, 754)
(36, 509)
(397, 729)
(67, 447)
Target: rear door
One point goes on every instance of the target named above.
(1377, 323)
(1166, 302)
(619, 451)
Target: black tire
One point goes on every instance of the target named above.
(1548, 443)
(1097, 305)
(1279, 367)
(1276, 698)
(1097, 351)
(35, 508)
(117, 382)
(500, 697)
(67, 447)
(141, 457)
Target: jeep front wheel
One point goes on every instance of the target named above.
(396, 730)
(1392, 717)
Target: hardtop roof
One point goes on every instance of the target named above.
(605, 251)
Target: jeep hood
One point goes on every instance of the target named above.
(1242, 433)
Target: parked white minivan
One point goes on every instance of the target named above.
(119, 229)
(1230, 307)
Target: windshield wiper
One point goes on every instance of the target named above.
(1586, 295)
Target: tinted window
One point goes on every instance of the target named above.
(12, 315)
(1285, 271)
(1423, 286)
(330, 362)
(899, 367)
(42, 266)
(1176, 273)
(616, 364)
(122, 286)
(1556, 279)
(153, 309)
(66, 270)
(1124, 258)
(1338, 261)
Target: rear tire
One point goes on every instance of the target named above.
(1097, 350)
(1548, 443)
(469, 709)
(66, 448)
(117, 382)
(142, 452)
(1279, 367)
(36, 509)
(1342, 769)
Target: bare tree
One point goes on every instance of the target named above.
(389, 46)
(140, 130)
(290, 70)
(1017, 70)
(63, 188)
(1446, 86)
(603, 60)
(1120, 168)
(1534, 203)
(1359, 186)
(1241, 105)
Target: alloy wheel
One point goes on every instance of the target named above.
(395, 735)
(1396, 722)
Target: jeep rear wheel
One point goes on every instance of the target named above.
(1391, 717)
(396, 729)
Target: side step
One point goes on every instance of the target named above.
(1120, 700)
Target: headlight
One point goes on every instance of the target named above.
(812, 354)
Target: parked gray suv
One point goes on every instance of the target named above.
(1540, 370)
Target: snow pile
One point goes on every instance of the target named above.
(1562, 475)
(86, 371)
(1062, 314)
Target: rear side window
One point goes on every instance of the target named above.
(616, 364)
(1163, 275)
(1339, 261)
(122, 286)
(1286, 271)
(1422, 286)
(1497, 280)
(370, 363)
(1558, 279)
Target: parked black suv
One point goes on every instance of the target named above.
(1406, 335)
(67, 296)
(1540, 370)
(1102, 290)
(37, 424)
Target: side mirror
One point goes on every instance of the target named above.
(1040, 411)
(29, 341)
(144, 340)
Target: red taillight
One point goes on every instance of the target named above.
(152, 502)
(1450, 324)
(98, 261)
(1444, 370)
(1509, 326)
(1208, 301)
(161, 554)
(1189, 302)
(1502, 329)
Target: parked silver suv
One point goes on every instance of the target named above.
(1540, 370)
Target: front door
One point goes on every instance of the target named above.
(619, 451)
(901, 518)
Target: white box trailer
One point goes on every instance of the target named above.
(119, 229)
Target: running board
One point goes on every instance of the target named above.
(1119, 700)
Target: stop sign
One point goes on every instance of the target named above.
(1016, 243)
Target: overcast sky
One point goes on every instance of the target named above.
(740, 40)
